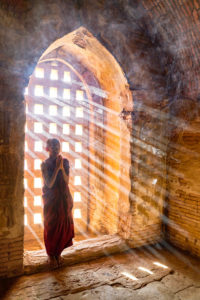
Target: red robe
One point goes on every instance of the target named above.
(57, 211)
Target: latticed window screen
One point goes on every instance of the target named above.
(56, 107)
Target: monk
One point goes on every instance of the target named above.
(58, 203)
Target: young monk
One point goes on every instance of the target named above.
(58, 203)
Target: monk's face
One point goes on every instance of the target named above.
(54, 149)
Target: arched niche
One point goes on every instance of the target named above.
(84, 54)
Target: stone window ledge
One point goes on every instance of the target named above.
(36, 261)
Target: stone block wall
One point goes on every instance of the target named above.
(11, 184)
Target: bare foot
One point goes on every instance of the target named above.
(60, 260)
(52, 262)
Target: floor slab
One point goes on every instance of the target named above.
(139, 274)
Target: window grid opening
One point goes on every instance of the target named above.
(53, 110)
(53, 92)
(54, 74)
(38, 147)
(37, 218)
(39, 72)
(37, 201)
(39, 90)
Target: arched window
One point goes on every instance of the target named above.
(76, 94)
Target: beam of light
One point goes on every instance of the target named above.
(160, 265)
(30, 191)
(93, 90)
(130, 276)
(36, 236)
(145, 270)
(84, 103)
(102, 174)
(30, 173)
(163, 116)
(108, 129)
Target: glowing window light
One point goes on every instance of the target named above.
(79, 95)
(53, 92)
(77, 197)
(38, 127)
(37, 183)
(54, 74)
(66, 128)
(37, 218)
(25, 201)
(25, 165)
(39, 72)
(37, 201)
(66, 111)
(77, 213)
(77, 180)
(38, 146)
(26, 91)
(130, 276)
(38, 109)
(53, 110)
(37, 164)
(25, 220)
(79, 112)
(67, 76)
(25, 183)
(66, 94)
(65, 147)
(78, 163)
(78, 129)
(145, 270)
(26, 127)
(26, 146)
(78, 146)
(53, 128)
(39, 90)
(160, 265)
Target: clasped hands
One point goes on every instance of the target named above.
(59, 163)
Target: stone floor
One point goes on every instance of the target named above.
(131, 275)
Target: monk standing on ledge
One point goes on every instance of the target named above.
(58, 203)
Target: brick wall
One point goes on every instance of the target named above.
(184, 189)
(11, 257)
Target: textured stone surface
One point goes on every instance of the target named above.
(73, 279)
(104, 279)
(36, 261)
